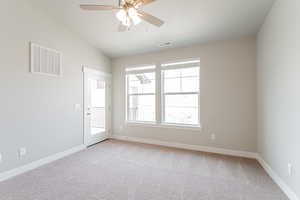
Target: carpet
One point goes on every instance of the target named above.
(117, 170)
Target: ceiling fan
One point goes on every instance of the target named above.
(129, 13)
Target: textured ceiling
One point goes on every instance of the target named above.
(187, 22)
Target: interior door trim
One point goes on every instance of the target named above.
(89, 70)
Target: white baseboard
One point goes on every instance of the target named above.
(284, 187)
(20, 170)
(244, 154)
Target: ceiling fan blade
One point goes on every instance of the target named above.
(99, 7)
(150, 19)
(122, 28)
(143, 2)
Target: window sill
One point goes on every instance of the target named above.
(164, 125)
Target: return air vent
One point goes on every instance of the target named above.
(45, 61)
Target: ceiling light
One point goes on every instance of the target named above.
(126, 17)
(132, 12)
(123, 16)
(128, 14)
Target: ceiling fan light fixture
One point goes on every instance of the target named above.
(123, 17)
(126, 17)
(128, 13)
(133, 14)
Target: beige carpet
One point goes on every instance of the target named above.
(115, 170)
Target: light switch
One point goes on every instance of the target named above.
(0, 158)
(290, 169)
(22, 152)
(213, 137)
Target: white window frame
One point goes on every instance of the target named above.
(138, 70)
(160, 95)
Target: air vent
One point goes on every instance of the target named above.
(166, 44)
(45, 61)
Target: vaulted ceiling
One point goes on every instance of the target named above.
(187, 22)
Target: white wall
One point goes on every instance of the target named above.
(228, 95)
(37, 112)
(278, 90)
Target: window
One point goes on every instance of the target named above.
(141, 87)
(175, 85)
(180, 96)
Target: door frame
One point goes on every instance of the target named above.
(89, 70)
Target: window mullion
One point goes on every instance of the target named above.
(158, 107)
(127, 98)
(180, 93)
(137, 94)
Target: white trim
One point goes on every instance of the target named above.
(28, 167)
(222, 151)
(180, 66)
(139, 65)
(86, 69)
(158, 95)
(142, 71)
(276, 178)
(141, 94)
(181, 93)
(175, 61)
(164, 125)
(129, 69)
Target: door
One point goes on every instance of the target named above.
(97, 106)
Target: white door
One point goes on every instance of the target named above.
(97, 106)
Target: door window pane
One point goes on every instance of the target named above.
(97, 109)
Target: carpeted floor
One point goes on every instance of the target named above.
(115, 170)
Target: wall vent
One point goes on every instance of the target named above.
(45, 61)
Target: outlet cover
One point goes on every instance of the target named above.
(290, 169)
(0, 158)
(213, 137)
(22, 151)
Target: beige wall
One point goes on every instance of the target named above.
(37, 112)
(228, 95)
(278, 91)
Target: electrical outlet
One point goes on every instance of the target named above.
(213, 137)
(22, 152)
(290, 169)
(121, 128)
